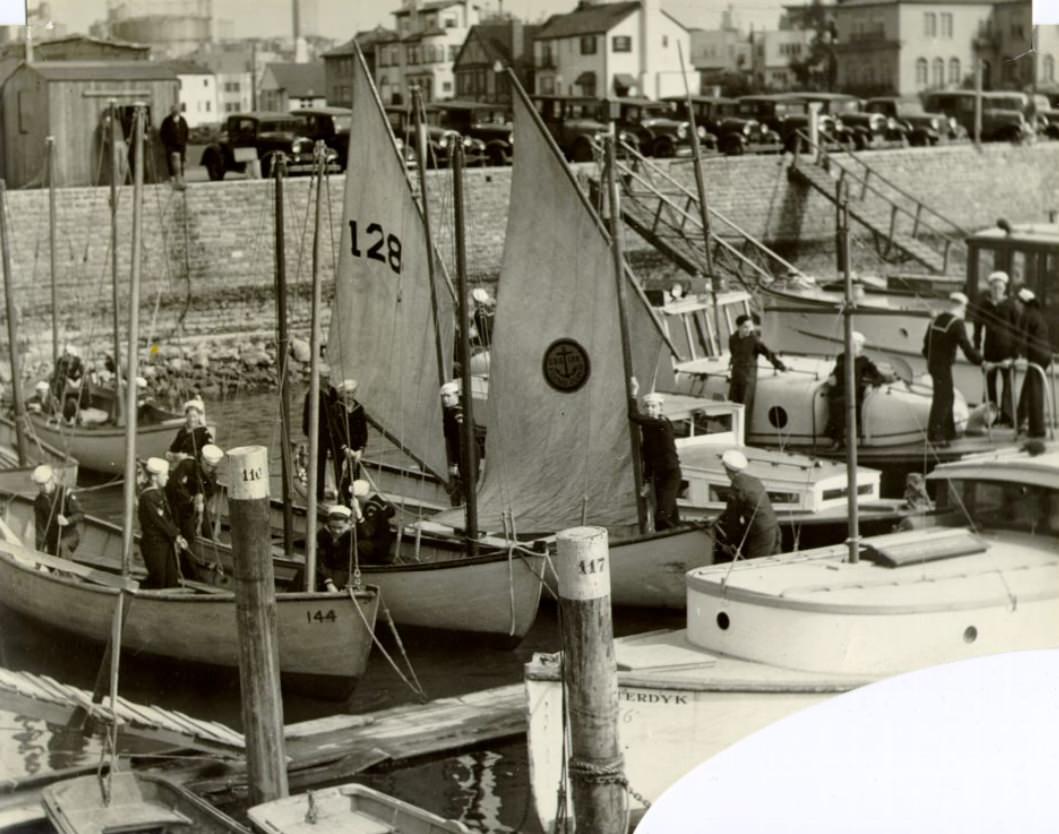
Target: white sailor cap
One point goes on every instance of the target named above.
(157, 466)
(347, 386)
(480, 295)
(958, 298)
(212, 454)
(998, 275)
(339, 511)
(197, 404)
(654, 398)
(71, 349)
(141, 382)
(450, 387)
(734, 459)
(42, 474)
(41, 386)
(1026, 294)
(361, 488)
(858, 337)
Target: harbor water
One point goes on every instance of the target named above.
(488, 789)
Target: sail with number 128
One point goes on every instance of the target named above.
(382, 324)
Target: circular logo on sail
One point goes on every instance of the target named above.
(566, 365)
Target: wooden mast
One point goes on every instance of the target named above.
(12, 331)
(115, 167)
(279, 165)
(52, 214)
(850, 382)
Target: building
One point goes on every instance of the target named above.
(198, 93)
(491, 48)
(171, 27)
(338, 63)
(428, 38)
(909, 46)
(72, 48)
(773, 51)
(607, 49)
(287, 86)
(237, 64)
(70, 100)
(721, 54)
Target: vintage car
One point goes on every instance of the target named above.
(657, 132)
(733, 133)
(331, 124)
(440, 140)
(923, 127)
(486, 122)
(1003, 114)
(854, 123)
(249, 137)
(574, 123)
(786, 116)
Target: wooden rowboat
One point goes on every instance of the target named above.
(348, 809)
(15, 478)
(324, 638)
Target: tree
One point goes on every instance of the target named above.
(818, 70)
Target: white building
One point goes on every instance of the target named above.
(608, 49)
(198, 93)
(773, 51)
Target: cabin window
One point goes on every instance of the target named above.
(992, 505)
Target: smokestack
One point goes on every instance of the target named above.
(296, 11)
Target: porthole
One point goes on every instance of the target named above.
(723, 622)
(970, 634)
(778, 417)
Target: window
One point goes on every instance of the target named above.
(930, 24)
(938, 76)
(1048, 69)
(955, 76)
(921, 72)
(450, 22)
(183, 107)
(946, 25)
(621, 43)
(587, 83)
(665, 41)
(454, 50)
(547, 85)
(207, 107)
(446, 86)
(588, 45)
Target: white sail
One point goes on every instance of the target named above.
(382, 324)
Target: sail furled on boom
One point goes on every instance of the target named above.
(557, 450)
(382, 324)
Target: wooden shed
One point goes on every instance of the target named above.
(70, 100)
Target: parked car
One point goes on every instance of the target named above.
(656, 131)
(574, 123)
(1003, 119)
(331, 124)
(250, 136)
(440, 140)
(733, 133)
(923, 128)
(487, 122)
(786, 116)
(855, 123)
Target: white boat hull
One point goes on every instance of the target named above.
(648, 572)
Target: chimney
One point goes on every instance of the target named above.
(650, 46)
(518, 38)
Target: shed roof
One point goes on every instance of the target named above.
(103, 71)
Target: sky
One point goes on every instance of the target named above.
(342, 18)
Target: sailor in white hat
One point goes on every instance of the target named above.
(334, 548)
(193, 435)
(944, 335)
(748, 527)
(661, 466)
(57, 515)
(865, 374)
(190, 490)
(996, 336)
(161, 541)
(481, 332)
(1034, 346)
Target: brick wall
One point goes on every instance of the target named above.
(208, 262)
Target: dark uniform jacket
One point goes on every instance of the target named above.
(327, 399)
(334, 556)
(68, 367)
(158, 533)
(659, 446)
(375, 537)
(745, 350)
(348, 428)
(865, 373)
(1034, 343)
(46, 512)
(190, 443)
(995, 329)
(748, 521)
(187, 480)
(944, 335)
(174, 133)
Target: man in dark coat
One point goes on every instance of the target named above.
(57, 515)
(745, 347)
(748, 526)
(349, 436)
(174, 135)
(452, 428)
(1036, 347)
(995, 327)
(328, 396)
(661, 466)
(189, 490)
(67, 380)
(865, 373)
(945, 334)
(193, 435)
(160, 538)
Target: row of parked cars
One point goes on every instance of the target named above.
(732, 126)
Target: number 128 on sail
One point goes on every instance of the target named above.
(378, 240)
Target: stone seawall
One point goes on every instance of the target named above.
(208, 251)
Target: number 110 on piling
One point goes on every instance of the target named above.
(376, 239)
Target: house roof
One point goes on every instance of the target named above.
(189, 68)
(299, 80)
(103, 71)
(430, 5)
(496, 41)
(76, 38)
(587, 20)
(366, 39)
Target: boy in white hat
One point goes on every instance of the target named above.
(57, 515)
(944, 335)
(748, 527)
(160, 539)
(190, 490)
(996, 336)
(193, 435)
(334, 549)
(865, 373)
(1034, 346)
(658, 448)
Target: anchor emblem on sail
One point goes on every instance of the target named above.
(566, 365)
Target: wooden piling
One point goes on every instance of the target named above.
(255, 598)
(591, 679)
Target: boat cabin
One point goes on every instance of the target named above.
(696, 331)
